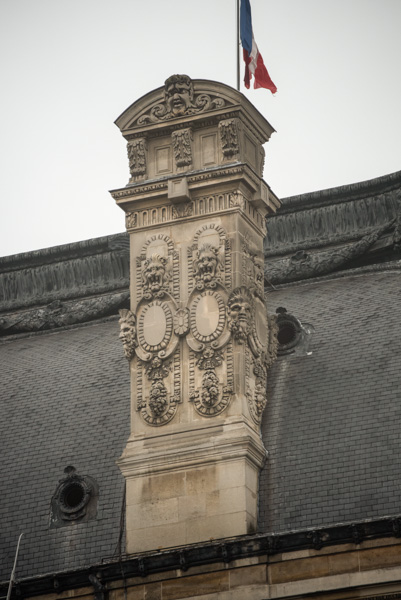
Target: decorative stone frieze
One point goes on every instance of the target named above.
(199, 344)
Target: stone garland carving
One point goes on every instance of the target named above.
(260, 353)
(136, 150)
(261, 363)
(159, 409)
(258, 399)
(180, 100)
(229, 137)
(128, 332)
(253, 269)
(208, 401)
(182, 147)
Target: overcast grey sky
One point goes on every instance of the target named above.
(69, 68)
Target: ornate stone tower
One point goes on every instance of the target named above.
(197, 337)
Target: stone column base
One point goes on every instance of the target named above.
(203, 487)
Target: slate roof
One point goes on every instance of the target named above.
(331, 425)
(65, 402)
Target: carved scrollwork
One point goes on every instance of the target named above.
(156, 369)
(128, 332)
(182, 147)
(253, 269)
(262, 360)
(180, 100)
(209, 358)
(257, 399)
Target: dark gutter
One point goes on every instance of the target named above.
(225, 550)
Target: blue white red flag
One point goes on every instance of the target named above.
(254, 64)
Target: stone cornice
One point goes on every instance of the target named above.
(70, 272)
(218, 551)
(342, 219)
(160, 185)
(344, 193)
(190, 453)
(45, 256)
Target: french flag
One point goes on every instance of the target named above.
(254, 64)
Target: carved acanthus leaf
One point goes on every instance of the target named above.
(182, 147)
(136, 150)
(229, 137)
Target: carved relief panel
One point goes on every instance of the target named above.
(252, 267)
(210, 365)
(157, 268)
(158, 388)
(157, 365)
(187, 349)
(229, 138)
(136, 150)
(182, 146)
(209, 258)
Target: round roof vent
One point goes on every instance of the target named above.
(289, 331)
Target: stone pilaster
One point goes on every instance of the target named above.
(197, 336)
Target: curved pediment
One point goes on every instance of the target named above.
(182, 99)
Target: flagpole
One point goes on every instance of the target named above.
(238, 48)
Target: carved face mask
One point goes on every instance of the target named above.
(178, 98)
